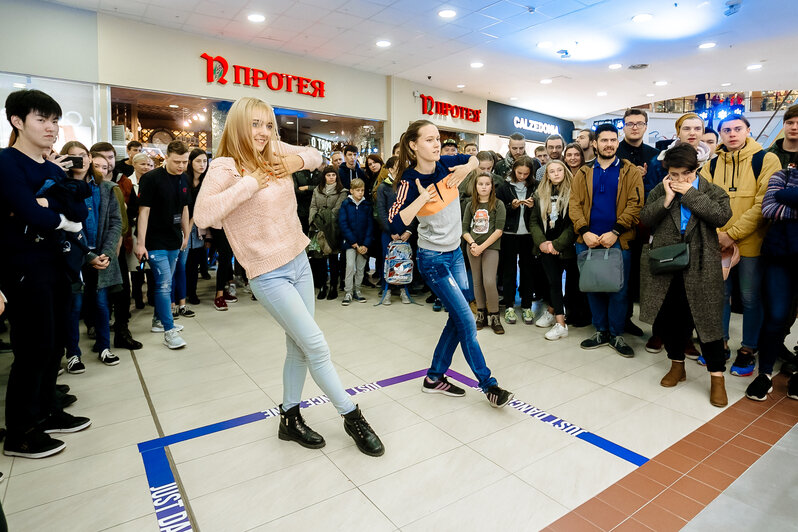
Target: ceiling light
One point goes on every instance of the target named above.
(650, 94)
(660, 83)
(545, 44)
(447, 13)
(333, 131)
(642, 17)
(383, 44)
(615, 66)
(461, 86)
(477, 64)
(601, 93)
(194, 117)
(255, 17)
(707, 45)
(202, 118)
(725, 84)
(173, 106)
(19, 85)
(323, 120)
(513, 99)
(289, 123)
(755, 66)
(185, 124)
(545, 81)
(204, 109)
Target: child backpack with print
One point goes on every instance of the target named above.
(399, 263)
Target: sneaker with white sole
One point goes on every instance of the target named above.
(528, 315)
(443, 386)
(75, 366)
(157, 326)
(557, 332)
(108, 358)
(510, 316)
(404, 297)
(546, 320)
(498, 397)
(172, 339)
(359, 297)
(64, 423)
(759, 388)
(347, 300)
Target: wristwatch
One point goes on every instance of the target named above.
(616, 233)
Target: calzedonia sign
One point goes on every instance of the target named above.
(218, 70)
(430, 107)
(505, 120)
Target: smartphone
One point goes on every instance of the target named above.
(140, 267)
(76, 160)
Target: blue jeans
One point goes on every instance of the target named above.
(610, 308)
(163, 264)
(287, 293)
(749, 273)
(73, 328)
(446, 276)
(179, 279)
(779, 289)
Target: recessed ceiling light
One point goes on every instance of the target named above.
(333, 131)
(660, 83)
(477, 64)
(545, 44)
(546, 81)
(173, 106)
(461, 86)
(615, 66)
(255, 17)
(513, 99)
(19, 85)
(650, 94)
(447, 13)
(383, 44)
(289, 123)
(725, 84)
(755, 66)
(642, 17)
(707, 45)
(323, 120)
(601, 93)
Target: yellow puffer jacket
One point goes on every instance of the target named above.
(734, 174)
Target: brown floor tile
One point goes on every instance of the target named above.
(678, 504)
(659, 472)
(788, 407)
(718, 430)
(782, 417)
(772, 426)
(750, 444)
(763, 435)
(641, 485)
(735, 420)
(632, 525)
(732, 468)
(711, 477)
(622, 499)
(601, 514)
(752, 407)
(698, 491)
(702, 440)
(659, 519)
(676, 461)
(691, 450)
(573, 523)
(732, 452)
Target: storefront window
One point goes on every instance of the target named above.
(79, 104)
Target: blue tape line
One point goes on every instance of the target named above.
(201, 431)
(156, 465)
(613, 448)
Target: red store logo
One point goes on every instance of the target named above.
(217, 68)
(430, 107)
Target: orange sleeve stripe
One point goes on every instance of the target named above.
(400, 199)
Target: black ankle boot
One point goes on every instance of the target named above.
(322, 292)
(333, 294)
(359, 429)
(293, 428)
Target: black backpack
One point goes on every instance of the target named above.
(756, 164)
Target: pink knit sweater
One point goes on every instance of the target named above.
(261, 224)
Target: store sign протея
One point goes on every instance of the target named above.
(430, 107)
(218, 68)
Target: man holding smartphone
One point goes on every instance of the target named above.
(163, 230)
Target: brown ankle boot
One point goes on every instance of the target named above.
(495, 323)
(674, 376)
(717, 391)
(480, 319)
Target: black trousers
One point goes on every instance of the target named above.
(120, 299)
(137, 285)
(319, 268)
(196, 258)
(516, 257)
(574, 301)
(224, 261)
(676, 326)
(38, 313)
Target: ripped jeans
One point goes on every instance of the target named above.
(163, 263)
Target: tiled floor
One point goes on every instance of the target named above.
(451, 463)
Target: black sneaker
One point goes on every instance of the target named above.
(33, 444)
(65, 423)
(62, 388)
(108, 358)
(124, 340)
(597, 340)
(65, 400)
(632, 329)
(759, 388)
(75, 366)
(443, 386)
(744, 364)
(620, 345)
(792, 387)
(498, 397)
(186, 312)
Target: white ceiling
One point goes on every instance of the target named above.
(504, 36)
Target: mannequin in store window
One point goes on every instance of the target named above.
(249, 190)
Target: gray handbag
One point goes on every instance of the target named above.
(600, 270)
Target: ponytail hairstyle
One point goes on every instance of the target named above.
(527, 161)
(475, 194)
(563, 194)
(407, 157)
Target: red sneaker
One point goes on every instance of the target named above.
(219, 303)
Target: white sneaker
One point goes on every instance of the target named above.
(157, 326)
(387, 300)
(172, 339)
(404, 297)
(546, 320)
(557, 332)
(232, 289)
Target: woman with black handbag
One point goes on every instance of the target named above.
(680, 272)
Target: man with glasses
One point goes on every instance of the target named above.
(554, 145)
(633, 149)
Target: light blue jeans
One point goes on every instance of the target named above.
(163, 264)
(749, 274)
(287, 293)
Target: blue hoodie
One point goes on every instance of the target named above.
(348, 174)
(355, 222)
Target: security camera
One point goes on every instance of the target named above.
(429, 77)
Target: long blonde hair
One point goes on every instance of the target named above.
(236, 141)
(563, 194)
